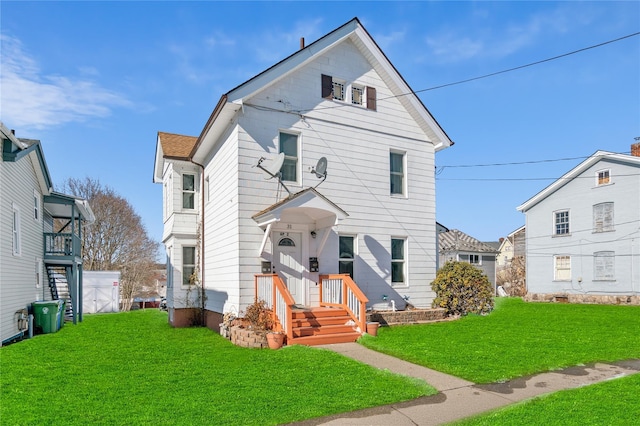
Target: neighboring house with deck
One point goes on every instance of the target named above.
(353, 151)
(583, 232)
(40, 237)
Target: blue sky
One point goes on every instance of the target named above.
(96, 81)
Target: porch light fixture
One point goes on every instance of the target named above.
(313, 234)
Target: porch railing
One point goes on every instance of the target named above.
(275, 294)
(61, 244)
(341, 291)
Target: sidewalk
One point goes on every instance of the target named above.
(458, 398)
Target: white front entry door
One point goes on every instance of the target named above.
(287, 262)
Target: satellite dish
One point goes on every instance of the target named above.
(321, 168)
(272, 169)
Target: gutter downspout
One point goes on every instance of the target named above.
(202, 290)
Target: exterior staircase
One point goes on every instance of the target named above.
(59, 287)
(322, 326)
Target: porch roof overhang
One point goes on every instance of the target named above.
(68, 207)
(305, 207)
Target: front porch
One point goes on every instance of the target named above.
(340, 316)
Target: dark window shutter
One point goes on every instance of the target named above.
(327, 86)
(371, 98)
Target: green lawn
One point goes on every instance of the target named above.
(614, 402)
(133, 368)
(516, 339)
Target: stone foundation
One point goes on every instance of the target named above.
(413, 316)
(583, 298)
(247, 338)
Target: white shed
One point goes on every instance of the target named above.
(101, 292)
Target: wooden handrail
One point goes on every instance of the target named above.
(350, 296)
(282, 312)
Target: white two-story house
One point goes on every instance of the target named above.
(350, 213)
(583, 233)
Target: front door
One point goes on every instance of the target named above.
(288, 262)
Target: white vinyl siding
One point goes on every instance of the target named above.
(604, 266)
(603, 217)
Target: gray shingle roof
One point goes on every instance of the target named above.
(458, 241)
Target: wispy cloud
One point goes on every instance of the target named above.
(33, 100)
(499, 41)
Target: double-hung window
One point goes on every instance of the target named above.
(603, 177)
(561, 222)
(188, 264)
(397, 173)
(603, 217)
(36, 205)
(603, 265)
(289, 146)
(398, 261)
(562, 268)
(346, 255)
(188, 191)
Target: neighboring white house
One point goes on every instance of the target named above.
(583, 232)
(337, 102)
(35, 259)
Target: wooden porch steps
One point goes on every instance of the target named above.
(322, 326)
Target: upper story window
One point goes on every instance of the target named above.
(188, 191)
(398, 261)
(16, 231)
(603, 217)
(337, 89)
(357, 95)
(36, 205)
(346, 255)
(561, 222)
(397, 173)
(603, 177)
(289, 145)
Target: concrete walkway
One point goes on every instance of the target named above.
(459, 398)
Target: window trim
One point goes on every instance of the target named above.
(604, 256)
(605, 227)
(39, 272)
(598, 179)
(187, 191)
(557, 257)
(37, 206)
(16, 230)
(555, 223)
(403, 154)
(354, 249)
(404, 261)
(184, 265)
(288, 157)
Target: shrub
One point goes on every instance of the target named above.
(461, 288)
(259, 315)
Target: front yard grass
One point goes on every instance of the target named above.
(614, 402)
(516, 339)
(133, 368)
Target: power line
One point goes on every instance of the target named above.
(529, 178)
(517, 163)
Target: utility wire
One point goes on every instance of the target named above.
(519, 162)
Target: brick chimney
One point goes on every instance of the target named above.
(635, 149)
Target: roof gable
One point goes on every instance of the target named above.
(457, 241)
(231, 102)
(171, 146)
(577, 171)
(14, 149)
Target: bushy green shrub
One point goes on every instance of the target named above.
(461, 288)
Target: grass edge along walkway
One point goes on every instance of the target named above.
(133, 368)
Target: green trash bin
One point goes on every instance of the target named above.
(46, 315)
(61, 312)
